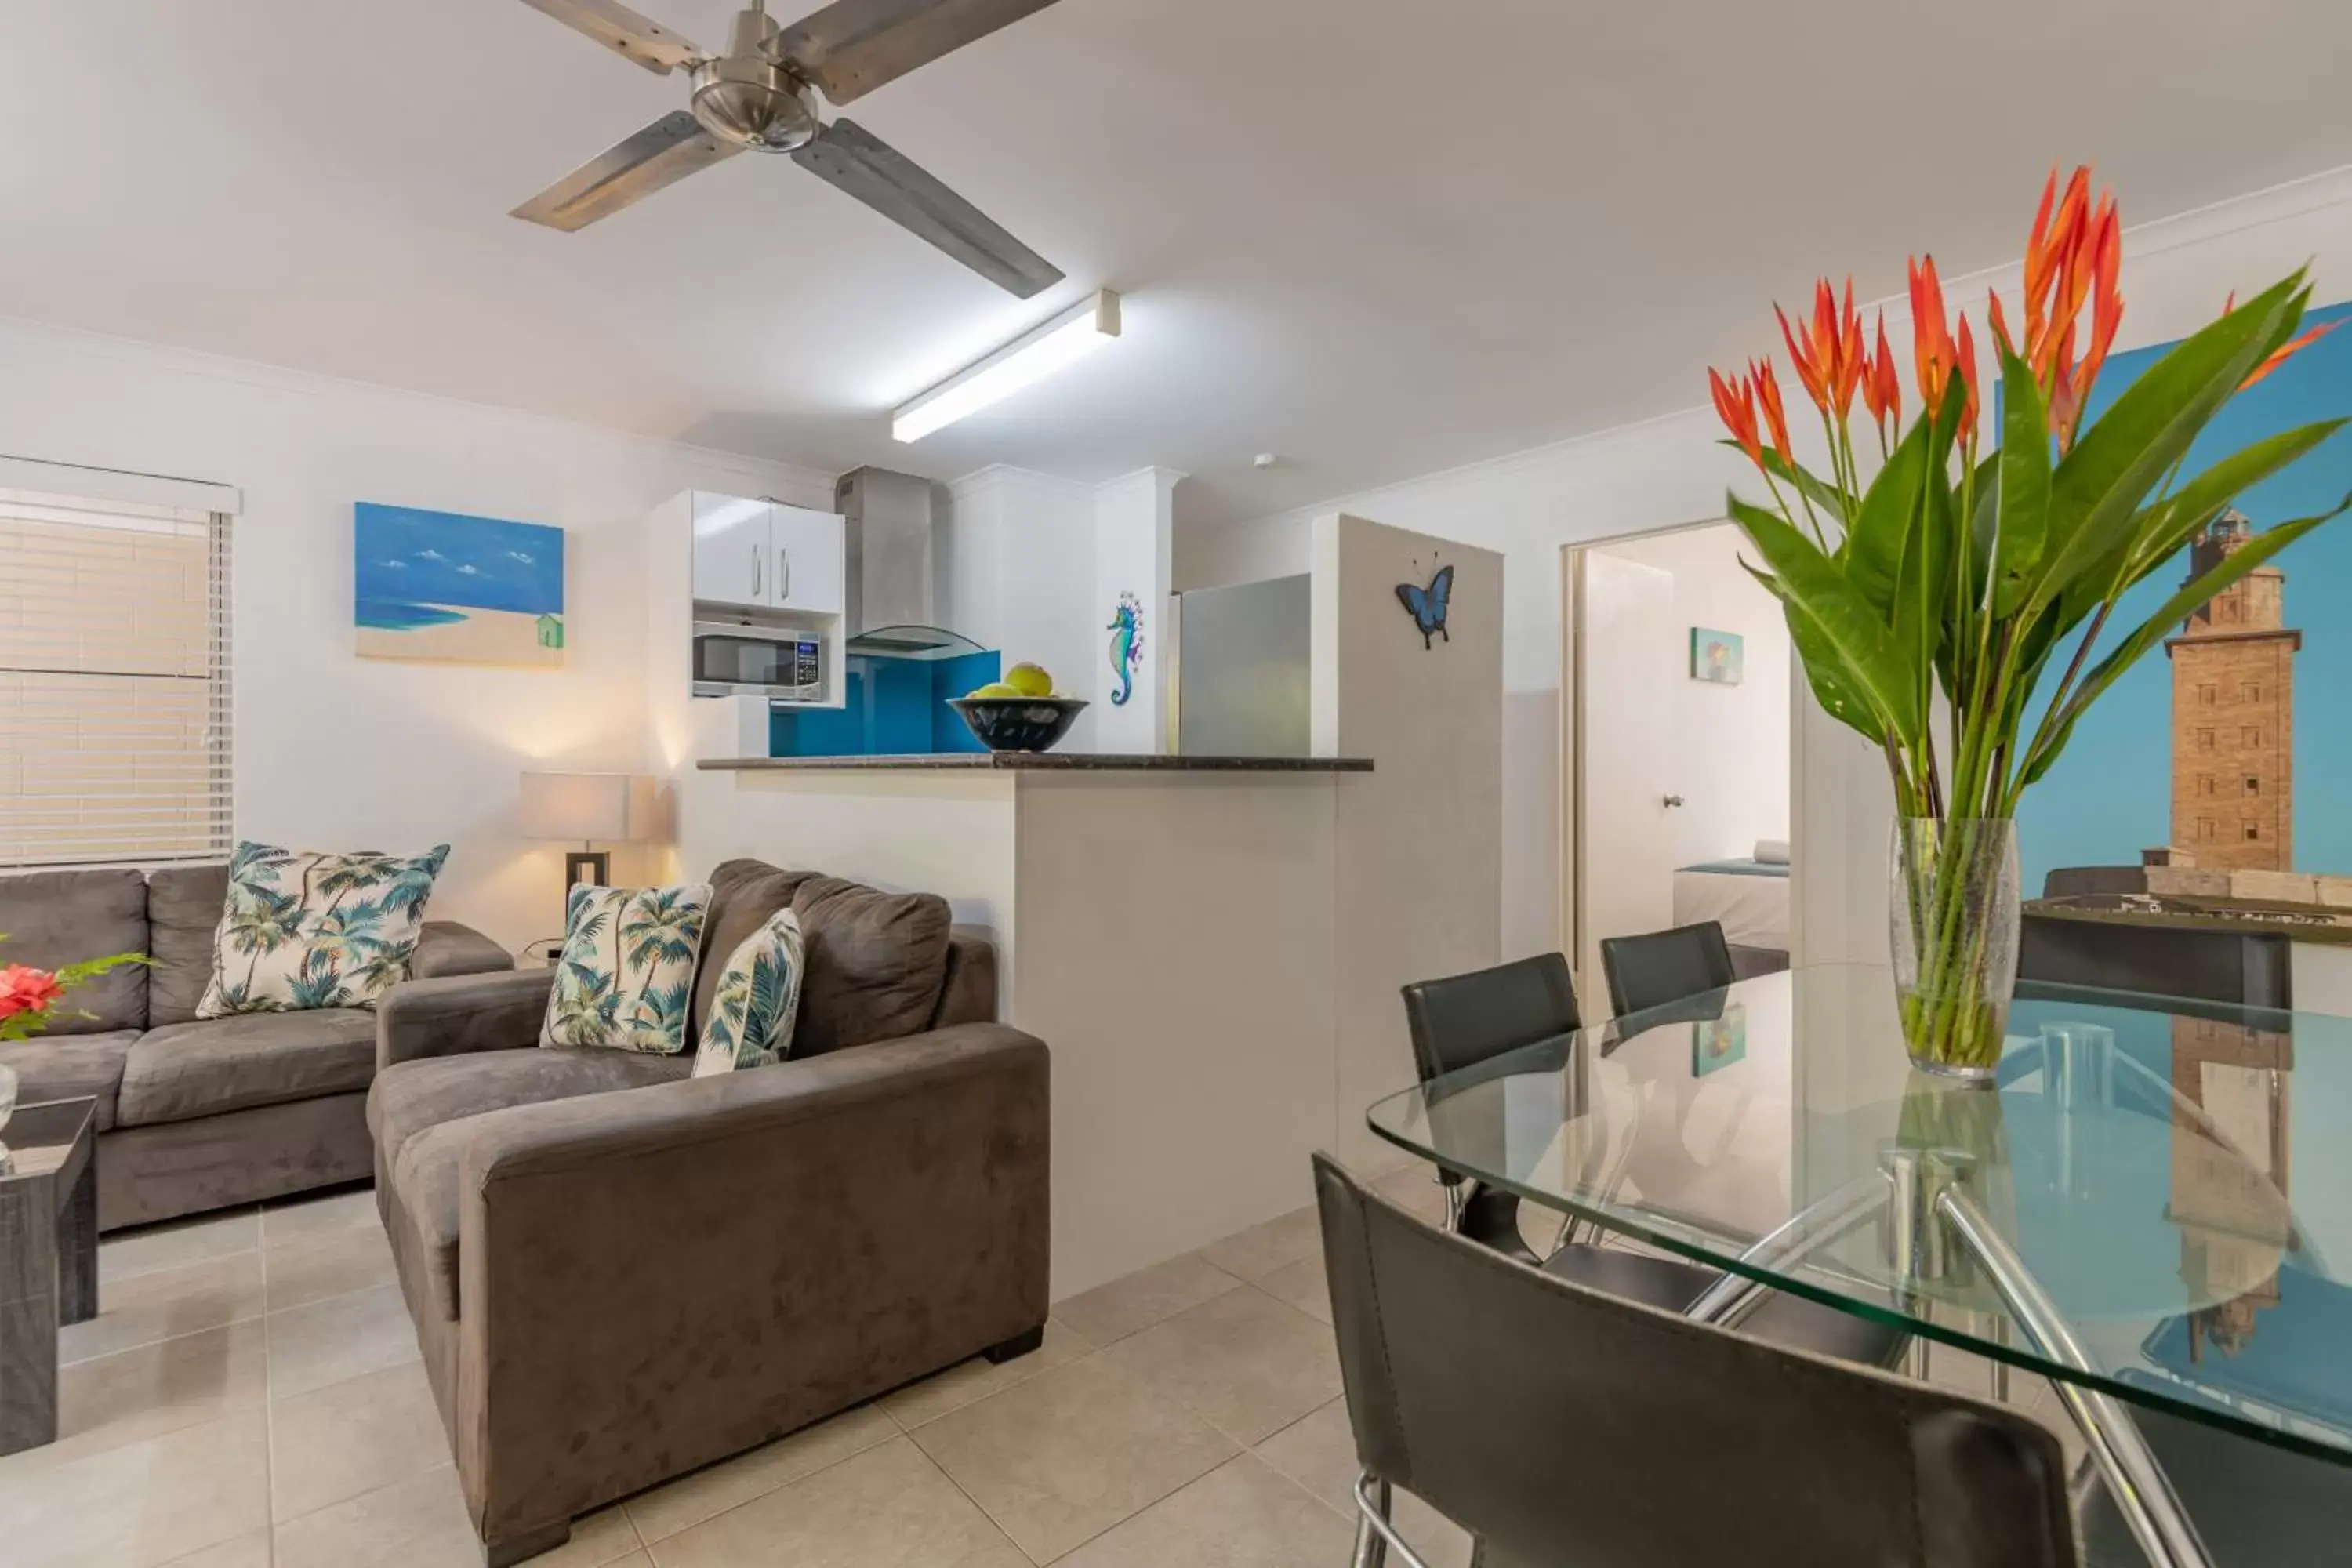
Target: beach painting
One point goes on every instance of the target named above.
(473, 590)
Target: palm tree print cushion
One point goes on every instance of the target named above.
(627, 969)
(303, 931)
(757, 1002)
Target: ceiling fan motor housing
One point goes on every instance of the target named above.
(747, 98)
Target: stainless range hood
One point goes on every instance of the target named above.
(888, 567)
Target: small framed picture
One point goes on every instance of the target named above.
(1716, 656)
(1719, 1042)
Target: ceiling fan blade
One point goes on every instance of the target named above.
(889, 182)
(853, 47)
(633, 37)
(663, 153)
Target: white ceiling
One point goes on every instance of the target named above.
(1376, 238)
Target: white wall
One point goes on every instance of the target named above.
(1134, 521)
(333, 750)
(1669, 471)
(1730, 742)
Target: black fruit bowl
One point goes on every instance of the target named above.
(1019, 723)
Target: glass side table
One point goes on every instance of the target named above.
(48, 1257)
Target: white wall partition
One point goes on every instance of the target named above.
(1133, 527)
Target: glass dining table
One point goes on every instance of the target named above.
(2143, 1209)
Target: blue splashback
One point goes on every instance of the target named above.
(892, 707)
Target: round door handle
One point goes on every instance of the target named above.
(1674, 800)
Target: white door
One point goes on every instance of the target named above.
(808, 556)
(1628, 649)
(732, 546)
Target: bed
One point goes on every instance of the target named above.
(1749, 899)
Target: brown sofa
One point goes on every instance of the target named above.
(619, 1272)
(194, 1114)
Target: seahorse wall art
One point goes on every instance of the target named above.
(1125, 630)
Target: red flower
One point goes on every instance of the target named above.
(1829, 357)
(1775, 415)
(2280, 356)
(1736, 401)
(2073, 260)
(1882, 384)
(1933, 351)
(1964, 367)
(23, 989)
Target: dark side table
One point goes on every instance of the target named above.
(48, 1257)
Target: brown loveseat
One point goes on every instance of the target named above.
(194, 1113)
(619, 1273)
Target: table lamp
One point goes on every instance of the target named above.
(588, 809)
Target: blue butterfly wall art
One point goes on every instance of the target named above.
(1427, 605)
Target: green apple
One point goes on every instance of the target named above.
(995, 690)
(1030, 680)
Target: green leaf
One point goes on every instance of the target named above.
(2023, 521)
(2097, 490)
(1868, 657)
(2193, 595)
(1873, 551)
(1825, 497)
(1834, 688)
(2197, 503)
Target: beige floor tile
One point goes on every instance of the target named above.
(1064, 1456)
(165, 1303)
(353, 1437)
(1304, 1285)
(133, 1395)
(247, 1550)
(1245, 1362)
(339, 1338)
(603, 1537)
(328, 1263)
(1240, 1515)
(888, 1507)
(1137, 1301)
(140, 1504)
(635, 1560)
(316, 1214)
(1256, 1252)
(420, 1522)
(178, 1242)
(978, 1378)
(713, 1489)
(1319, 1454)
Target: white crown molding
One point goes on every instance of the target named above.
(196, 363)
(980, 481)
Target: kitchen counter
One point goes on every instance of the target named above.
(1043, 762)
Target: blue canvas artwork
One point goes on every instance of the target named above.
(441, 585)
(2221, 757)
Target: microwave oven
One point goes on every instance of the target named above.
(758, 661)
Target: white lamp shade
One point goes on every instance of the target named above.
(612, 808)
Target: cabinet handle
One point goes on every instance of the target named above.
(783, 573)
(755, 571)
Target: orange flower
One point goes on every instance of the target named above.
(2073, 261)
(1881, 386)
(1776, 417)
(1933, 351)
(1734, 401)
(1964, 367)
(1828, 356)
(2280, 356)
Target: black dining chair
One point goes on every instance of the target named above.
(1559, 1424)
(1465, 1021)
(1658, 967)
(2253, 969)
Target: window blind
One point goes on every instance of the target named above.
(114, 681)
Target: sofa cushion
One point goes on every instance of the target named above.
(876, 962)
(55, 918)
(420, 1109)
(744, 895)
(303, 931)
(625, 979)
(184, 911)
(70, 1067)
(412, 1096)
(757, 1001)
(213, 1065)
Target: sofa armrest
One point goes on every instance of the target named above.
(447, 948)
(461, 1012)
(657, 1278)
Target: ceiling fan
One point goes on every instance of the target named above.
(762, 95)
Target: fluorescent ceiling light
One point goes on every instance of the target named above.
(1027, 360)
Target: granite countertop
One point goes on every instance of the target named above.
(1042, 761)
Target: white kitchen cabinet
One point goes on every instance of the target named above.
(733, 549)
(761, 554)
(806, 550)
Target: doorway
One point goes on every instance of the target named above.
(1676, 766)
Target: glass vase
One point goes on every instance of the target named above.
(1953, 916)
